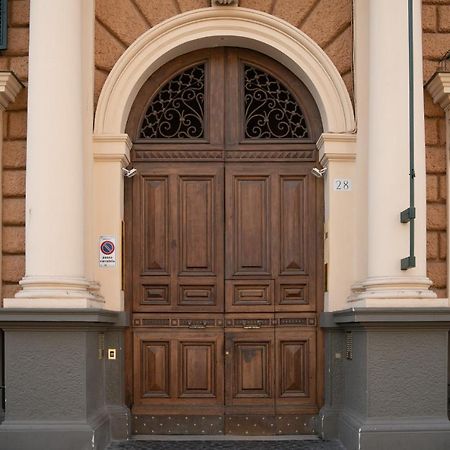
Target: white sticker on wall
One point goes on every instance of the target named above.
(342, 184)
(107, 249)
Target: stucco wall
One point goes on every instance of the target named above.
(120, 22)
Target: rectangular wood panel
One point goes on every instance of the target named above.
(251, 225)
(197, 364)
(155, 369)
(197, 295)
(294, 294)
(292, 225)
(155, 225)
(250, 370)
(251, 362)
(156, 294)
(296, 366)
(196, 224)
(249, 296)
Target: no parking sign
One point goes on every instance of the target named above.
(107, 247)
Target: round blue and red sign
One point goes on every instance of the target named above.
(107, 247)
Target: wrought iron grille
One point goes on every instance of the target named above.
(271, 112)
(177, 111)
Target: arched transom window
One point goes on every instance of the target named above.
(232, 103)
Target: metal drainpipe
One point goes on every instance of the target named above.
(409, 214)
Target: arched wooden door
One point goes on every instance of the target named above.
(224, 226)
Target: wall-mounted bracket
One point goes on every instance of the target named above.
(408, 263)
(407, 215)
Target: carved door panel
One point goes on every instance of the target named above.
(249, 371)
(178, 225)
(295, 361)
(178, 370)
(270, 238)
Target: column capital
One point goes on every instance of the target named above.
(336, 147)
(112, 148)
(10, 86)
(439, 88)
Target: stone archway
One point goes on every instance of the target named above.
(209, 27)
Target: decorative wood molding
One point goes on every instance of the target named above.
(219, 155)
(169, 155)
(286, 155)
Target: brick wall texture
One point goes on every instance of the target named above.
(120, 22)
(15, 58)
(436, 42)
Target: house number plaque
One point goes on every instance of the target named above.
(342, 184)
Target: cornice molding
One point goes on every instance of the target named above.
(10, 86)
(336, 147)
(112, 148)
(439, 88)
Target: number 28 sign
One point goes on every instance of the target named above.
(342, 184)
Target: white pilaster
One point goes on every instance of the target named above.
(388, 157)
(55, 204)
(337, 154)
(111, 153)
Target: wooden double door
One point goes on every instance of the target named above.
(224, 239)
(225, 323)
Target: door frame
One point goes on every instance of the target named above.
(148, 90)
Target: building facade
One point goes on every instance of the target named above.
(225, 218)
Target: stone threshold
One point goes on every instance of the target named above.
(198, 437)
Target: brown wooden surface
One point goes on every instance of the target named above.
(224, 265)
(178, 238)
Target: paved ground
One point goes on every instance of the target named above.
(227, 445)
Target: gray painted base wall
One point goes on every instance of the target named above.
(392, 393)
(61, 393)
